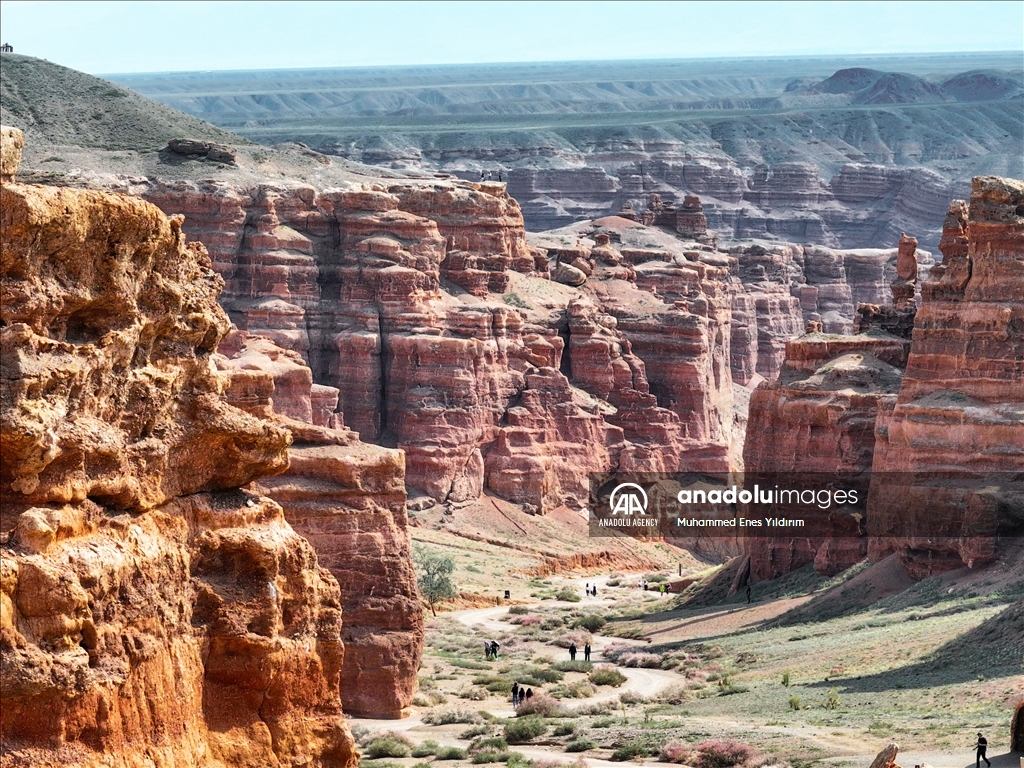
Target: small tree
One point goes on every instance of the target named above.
(435, 580)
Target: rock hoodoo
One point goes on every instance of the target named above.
(148, 607)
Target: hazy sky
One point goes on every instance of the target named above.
(114, 37)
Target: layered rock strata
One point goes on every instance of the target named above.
(348, 499)
(815, 425)
(401, 296)
(937, 445)
(150, 611)
(950, 449)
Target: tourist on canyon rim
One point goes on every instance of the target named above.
(586, 652)
(748, 593)
(572, 651)
(594, 591)
(499, 175)
(982, 747)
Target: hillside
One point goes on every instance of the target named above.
(57, 105)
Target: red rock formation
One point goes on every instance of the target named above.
(818, 418)
(348, 499)
(150, 612)
(941, 491)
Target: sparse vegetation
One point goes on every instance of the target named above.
(604, 674)
(522, 729)
(390, 745)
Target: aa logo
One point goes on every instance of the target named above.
(627, 499)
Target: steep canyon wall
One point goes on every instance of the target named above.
(150, 610)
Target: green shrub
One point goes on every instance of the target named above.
(607, 675)
(476, 730)
(565, 729)
(514, 300)
(522, 729)
(425, 749)
(519, 610)
(577, 690)
(785, 679)
(488, 744)
(387, 746)
(573, 666)
(451, 753)
(590, 622)
(603, 722)
(794, 703)
(491, 757)
(580, 745)
(450, 716)
(467, 664)
(502, 685)
(568, 595)
(545, 674)
(628, 752)
(832, 699)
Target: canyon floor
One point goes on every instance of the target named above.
(704, 665)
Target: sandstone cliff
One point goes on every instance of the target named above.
(949, 450)
(348, 499)
(422, 302)
(939, 444)
(150, 611)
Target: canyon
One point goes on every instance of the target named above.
(845, 152)
(232, 373)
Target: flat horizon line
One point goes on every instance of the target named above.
(555, 62)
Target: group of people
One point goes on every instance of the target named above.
(490, 649)
(520, 694)
(646, 586)
(591, 590)
(487, 175)
(573, 651)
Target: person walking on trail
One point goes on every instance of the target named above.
(661, 589)
(529, 694)
(748, 593)
(494, 649)
(982, 747)
(487, 650)
(515, 694)
(572, 651)
(586, 652)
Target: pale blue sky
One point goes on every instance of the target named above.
(114, 37)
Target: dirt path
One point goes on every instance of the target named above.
(647, 682)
